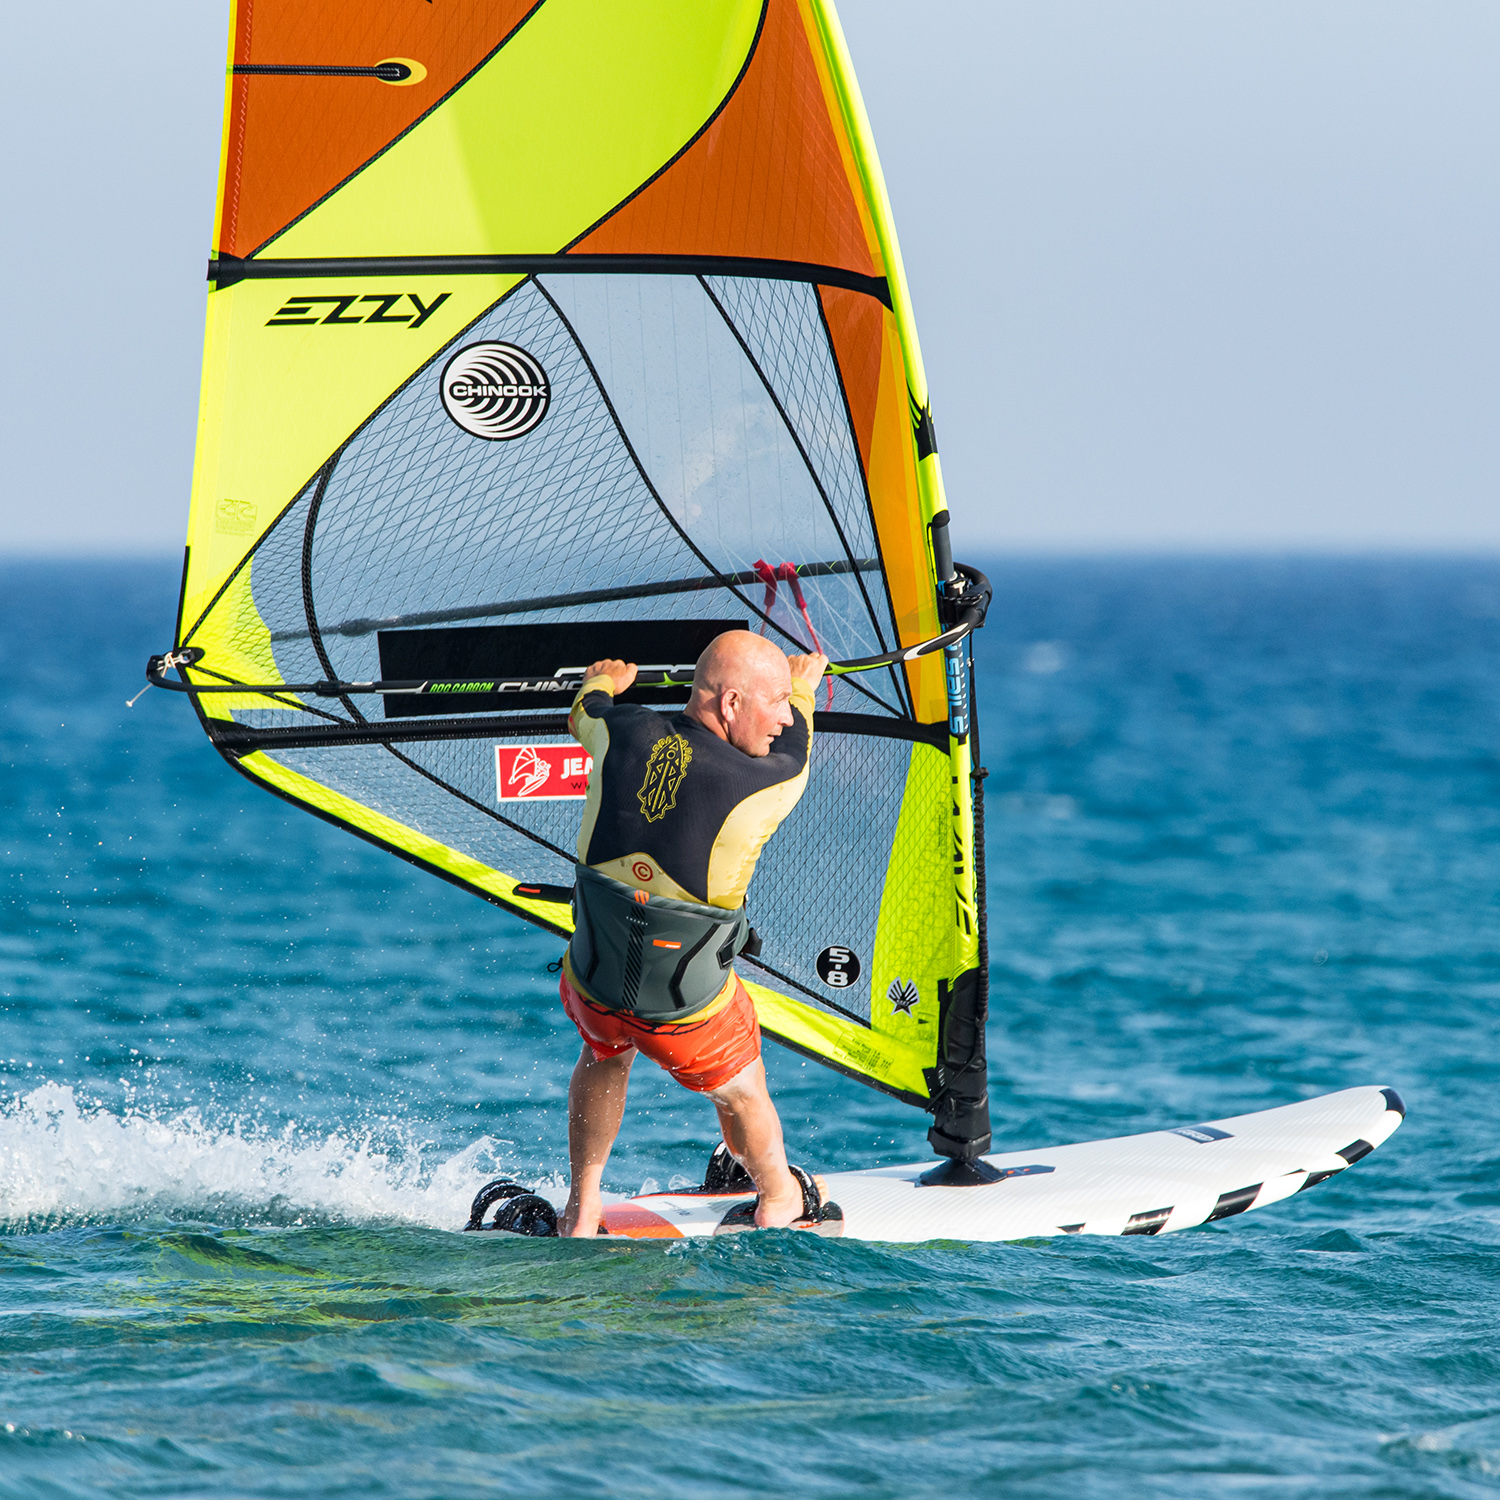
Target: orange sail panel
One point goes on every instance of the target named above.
(296, 131)
(772, 177)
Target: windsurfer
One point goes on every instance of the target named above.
(678, 811)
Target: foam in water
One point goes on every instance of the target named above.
(66, 1160)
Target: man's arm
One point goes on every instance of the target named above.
(807, 673)
(603, 682)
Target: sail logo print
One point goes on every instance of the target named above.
(235, 517)
(665, 768)
(495, 391)
(903, 996)
(1203, 1134)
(838, 967)
(298, 312)
(541, 773)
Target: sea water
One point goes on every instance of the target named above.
(1244, 847)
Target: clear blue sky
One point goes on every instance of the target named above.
(1209, 274)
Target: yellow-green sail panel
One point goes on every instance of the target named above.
(532, 321)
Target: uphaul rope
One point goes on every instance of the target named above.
(787, 572)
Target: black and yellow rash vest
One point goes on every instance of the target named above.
(673, 825)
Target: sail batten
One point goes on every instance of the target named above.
(568, 600)
(225, 270)
(489, 388)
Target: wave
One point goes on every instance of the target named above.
(66, 1160)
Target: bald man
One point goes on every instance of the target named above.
(678, 811)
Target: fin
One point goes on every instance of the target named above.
(818, 1216)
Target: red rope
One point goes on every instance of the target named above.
(788, 572)
(767, 575)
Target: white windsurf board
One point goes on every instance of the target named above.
(1154, 1183)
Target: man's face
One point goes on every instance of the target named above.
(756, 714)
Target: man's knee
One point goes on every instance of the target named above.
(748, 1086)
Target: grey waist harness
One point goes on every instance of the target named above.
(657, 958)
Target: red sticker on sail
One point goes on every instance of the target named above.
(541, 773)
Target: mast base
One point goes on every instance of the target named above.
(953, 1172)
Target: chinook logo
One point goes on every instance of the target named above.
(495, 391)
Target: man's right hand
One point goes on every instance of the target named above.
(809, 669)
(621, 673)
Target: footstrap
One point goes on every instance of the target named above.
(815, 1211)
(812, 1198)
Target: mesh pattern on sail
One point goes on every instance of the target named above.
(694, 427)
(820, 880)
(374, 776)
(781, 323)
(418, 510)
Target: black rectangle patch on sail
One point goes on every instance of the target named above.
(521, 654)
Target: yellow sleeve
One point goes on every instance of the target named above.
(583, 726)
(593, 734)
(803, 699)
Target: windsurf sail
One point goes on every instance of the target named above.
(540, 332)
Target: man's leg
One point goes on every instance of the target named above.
(752, 1130)
(596, 1105)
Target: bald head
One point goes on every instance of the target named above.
(742, 688)
(735, 659)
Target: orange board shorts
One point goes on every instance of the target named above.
(700, 1054)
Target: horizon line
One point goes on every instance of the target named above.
(994, 551)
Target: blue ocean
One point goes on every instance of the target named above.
(1243, 848)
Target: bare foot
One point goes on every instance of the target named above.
(580, 1221)
(776, 1211)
